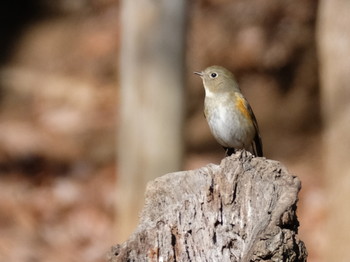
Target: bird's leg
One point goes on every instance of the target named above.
(229, 151)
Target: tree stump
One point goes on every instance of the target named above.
(241, 210)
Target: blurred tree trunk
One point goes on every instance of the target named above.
(150, 139)
(334, 53)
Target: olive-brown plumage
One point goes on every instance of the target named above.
(229, 115)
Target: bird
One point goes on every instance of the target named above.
(230, 117)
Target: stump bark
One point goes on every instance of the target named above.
(241, 210)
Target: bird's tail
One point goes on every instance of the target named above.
(257, 146)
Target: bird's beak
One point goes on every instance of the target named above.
(198, 73)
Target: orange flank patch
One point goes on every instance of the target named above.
(241, 104)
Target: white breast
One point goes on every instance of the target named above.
(227, 125)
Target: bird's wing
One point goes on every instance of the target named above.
(257, 143)
(246, 110)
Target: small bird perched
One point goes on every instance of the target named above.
(230, 117)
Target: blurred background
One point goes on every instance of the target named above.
(86, 82)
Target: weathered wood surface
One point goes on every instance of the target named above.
(241, 210)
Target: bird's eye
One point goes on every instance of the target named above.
(213, 75)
